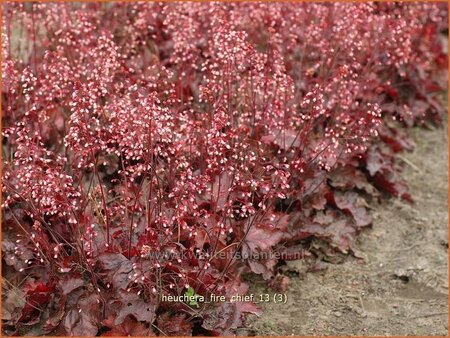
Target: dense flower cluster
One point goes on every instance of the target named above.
(147, 145)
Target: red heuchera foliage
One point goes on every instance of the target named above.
(149, 148)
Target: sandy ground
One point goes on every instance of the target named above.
(400, 287)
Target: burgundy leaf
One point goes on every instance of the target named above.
(342, 234)
(132, 304)
(390, 184)
(12, 305)
(129, 328)
(69, 284)
(176, 325)
(258, 245)
(84, 319)
(120, 269)
(228, 316)
(18, 261)
(347, 202)
(308, 229)
(220, 189)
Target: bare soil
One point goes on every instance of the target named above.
(399, 285)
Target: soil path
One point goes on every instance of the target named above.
(401, 285)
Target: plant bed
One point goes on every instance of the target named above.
(395, 284)
(154, 153)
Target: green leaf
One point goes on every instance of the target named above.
(191, 293)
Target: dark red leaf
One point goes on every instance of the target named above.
(389, 184)
(258, 245)
(347, 202)
(120, 269)
(132, 304)
(12, 305)
(84, 319)
(69, 284)
(176, 325)
(129, 328)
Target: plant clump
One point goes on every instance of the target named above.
(168, 149)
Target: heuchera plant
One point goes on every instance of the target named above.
(163, 149)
